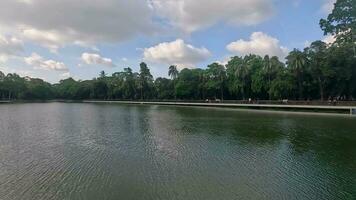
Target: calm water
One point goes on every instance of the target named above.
(107, 151)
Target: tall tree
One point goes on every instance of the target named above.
(173, 73)
(233, 81)
(164, 88)
(146, 79)
(243, 76)
(296, 61)
(129, 83)
(319, 68)
(216, 78)
(341, 23)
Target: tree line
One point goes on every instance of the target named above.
(320, 71)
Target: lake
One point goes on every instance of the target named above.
(113, 151)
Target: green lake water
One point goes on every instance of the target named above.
(113, 151)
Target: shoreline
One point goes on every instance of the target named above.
(289, 108)
(340, 110)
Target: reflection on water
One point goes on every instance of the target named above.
(107, 151)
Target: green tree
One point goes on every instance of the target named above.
(271, 66)
(146, 80)
(164, 88)
(341, 23)
(188, 84)
(283, 85)
(233, 85)
(129, 83)
(100, 89)
(38, 89)
(216, 78)
(173, 73)
(14, 85)
(319, 68)
(296, 61)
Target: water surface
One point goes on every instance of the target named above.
(110, 151)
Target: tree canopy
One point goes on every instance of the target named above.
(320, 71)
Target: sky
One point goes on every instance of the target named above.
(57, 39)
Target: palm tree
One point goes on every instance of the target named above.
(271, 65)
(296, 61)
(242, 73)
(173, 73)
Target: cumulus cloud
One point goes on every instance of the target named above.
(96, 59)
(259, 44)
(192, 15)
(60, 22)
(177, 53)
(224, 61)
(329, 39)
(49, 39)
(9, 47)
(38, 62)
(57, 23)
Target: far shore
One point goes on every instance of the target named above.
(274, 107)
(348, 108)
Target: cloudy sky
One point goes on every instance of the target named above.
(55, 39)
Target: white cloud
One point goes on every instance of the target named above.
(38, 62)
(177, 53)
(124, 59)
(65, 75)
(9, 47)
(56, 23)
(259, 44)
(29, 2)
(51, 40)
(192, 15)
(329, 39)
(96, 59)
(224, 61)
(11, 70)
(328, 6)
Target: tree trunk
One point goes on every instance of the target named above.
(243, 94)
(300, 87)
(175, 91)
(321, 90)
(269, 87)
(141, 92)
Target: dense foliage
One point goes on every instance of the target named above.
(320, 71)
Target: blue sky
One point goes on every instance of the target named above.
(58, 39)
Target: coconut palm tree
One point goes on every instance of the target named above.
(173, 73)
(296, 61)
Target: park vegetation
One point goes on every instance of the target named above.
(320, 71)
